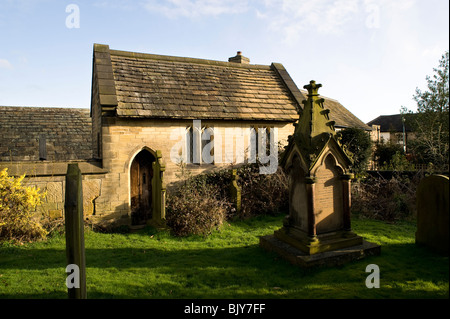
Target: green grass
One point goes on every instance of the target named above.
(227, 264)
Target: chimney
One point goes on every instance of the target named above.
(239, 58)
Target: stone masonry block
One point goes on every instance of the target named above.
(55, 214)
(91, 190)
(54, 192)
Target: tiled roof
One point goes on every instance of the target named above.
(67, 133)
(343, 117)
(392, 123)
(155, 86)
(148, 85)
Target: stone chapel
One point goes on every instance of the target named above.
(146, 111)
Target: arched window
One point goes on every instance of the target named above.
(199, 145)
(259, 144)
(207, 145)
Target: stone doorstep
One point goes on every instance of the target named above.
(329, 258)
(135, 228)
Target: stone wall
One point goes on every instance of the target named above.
(106, 183)
(123, 139)
(54, 186)
(50, 177)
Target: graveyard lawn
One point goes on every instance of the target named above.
(227, 264)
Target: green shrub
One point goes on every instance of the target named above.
(398, 162)
(195, 211)
(17, 204)
(358, 143)
(262, 193)
(203, 202)
(219, 179)
(386, 199)
(385, 152)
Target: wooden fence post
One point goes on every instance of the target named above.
(235, 191)
(73, 214)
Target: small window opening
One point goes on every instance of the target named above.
(42, 148)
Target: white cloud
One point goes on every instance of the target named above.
(5, 64)
(114, 4)
(436, 51)
(338, 14)
(196, 8)
(293, 17)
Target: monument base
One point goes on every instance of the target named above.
(328, 258)
(319, 244)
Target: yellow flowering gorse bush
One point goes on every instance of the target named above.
(17, 204)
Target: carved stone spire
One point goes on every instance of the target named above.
(314, 127)
(314, 120)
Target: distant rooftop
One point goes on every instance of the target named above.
(390, 123)
(66, 132)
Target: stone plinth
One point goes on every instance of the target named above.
(333, 257)
(322, 243)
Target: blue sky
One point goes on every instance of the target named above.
(368, 54)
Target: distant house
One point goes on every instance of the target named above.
(126, 142)
(391, 128)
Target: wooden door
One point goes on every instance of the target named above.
(141, 174)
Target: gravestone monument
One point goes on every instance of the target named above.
(433, 213)
(317, 230)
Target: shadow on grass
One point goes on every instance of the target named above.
(406, 271)
(120, 258)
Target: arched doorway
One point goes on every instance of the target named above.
(141, 174)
